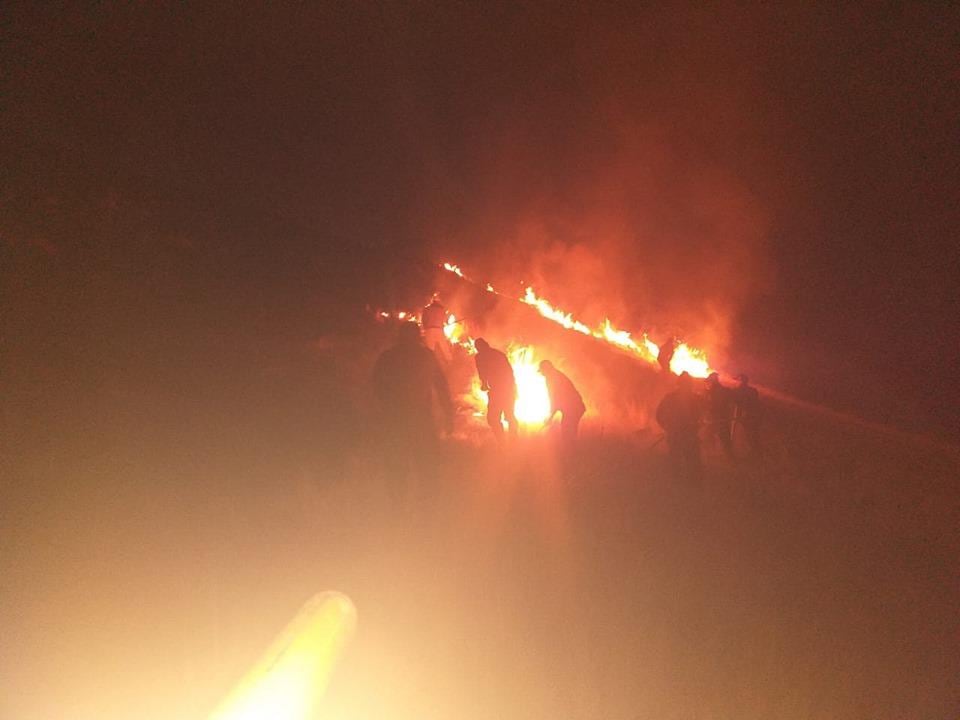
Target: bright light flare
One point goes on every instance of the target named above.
(689, 360)
(533, 401)
(291, 677)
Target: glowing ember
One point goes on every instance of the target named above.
(533, 402)
(401, 315)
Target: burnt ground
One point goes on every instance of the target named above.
(162, 522)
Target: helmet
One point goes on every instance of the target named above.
(546, 366)
(481, 344)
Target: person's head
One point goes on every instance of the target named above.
(743, 380)
(546, 367)
(713, 379)
(481, 345)
(408, 334)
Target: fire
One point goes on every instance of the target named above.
(533, 402)
(453, 330)
(551, 313)
(453, 268)
(685, 358)
(648, 350)
(689, 360)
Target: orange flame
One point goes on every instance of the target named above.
(551, 313)
(453, 268)
(685, 358)
(689, 360)
(533, 402)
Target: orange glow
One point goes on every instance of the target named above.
(689, 360)
(533, 402)
(453, 268)
(291, 677)
(648, 350)
(551, 313)
(685, 358)
(401, 315)
(455, 331)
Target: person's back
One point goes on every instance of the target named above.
(747, 400)
(406, 379)
(565, 399)
(679, 416)
(719, 400)
(497, 379)
(749, 413)
(679, 412)
(495, 370)
(564, 395)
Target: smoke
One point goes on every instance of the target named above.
(611, 181)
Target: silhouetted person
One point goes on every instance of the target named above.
(679, 416)
(665, 355)
(498, 381)
(749, 412)
(407, 380)
(720, 413)
(433, 318)
(564, 399)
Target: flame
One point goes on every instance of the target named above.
(402, 315)
(533, 402)
(552, 313)
(685, 358)
(648, 350)
(453, 268)
(453, 330)
(689, 360)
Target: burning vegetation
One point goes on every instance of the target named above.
(532, 406)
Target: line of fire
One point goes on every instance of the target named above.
(591, 355)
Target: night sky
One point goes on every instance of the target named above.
(779, 183)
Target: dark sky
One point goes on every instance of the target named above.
(780, 183)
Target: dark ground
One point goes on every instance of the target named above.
(160, 527)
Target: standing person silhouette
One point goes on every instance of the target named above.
(433, 318)
(679, 416)
(498, 381)
(409, 384)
